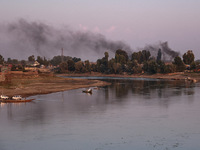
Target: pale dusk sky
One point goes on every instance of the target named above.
(136, 22)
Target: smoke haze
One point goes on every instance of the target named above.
(29, 38)
(167, 52)
(22, 39)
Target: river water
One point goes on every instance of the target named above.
(130, 114)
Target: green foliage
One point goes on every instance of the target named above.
(159, 56)
(75, 59)
(63, 67)
(122, 56)
(145, 55)
(42, 61)
(1, 59)
(56, 60)
(193, 66)
(141, 56)
(87, 66)
(170, 68)
(150, 67)
(179, 64)
(117, 67)
(79, 68)
(71, 65)
(23, 63)
(31, 58)
(106, 55)
(188, 57)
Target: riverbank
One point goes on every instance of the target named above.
(39, 84)
(34, 85)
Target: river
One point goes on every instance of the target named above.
(140, 114)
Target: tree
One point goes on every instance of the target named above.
(120, 52)
(75, 59)
(9, 60)
(1, 59)
(31, 58)
(79, 67)
(159, 56)
(63, 67)
(141, 56)
(170, 68)
(15, 61)
(56, 60)
(23, 63)
(145, 55)
(87, 66)
(193, 66)
(71, 65)
(188, 57)
(40, 60)
(161, 66)
(179, 64)
(150, 66)
(117, 68)
(135, 56)
(106, 55)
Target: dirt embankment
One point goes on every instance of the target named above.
(32, 85)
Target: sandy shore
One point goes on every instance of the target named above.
(40, 85)
(49, 84)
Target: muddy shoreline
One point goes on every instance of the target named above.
(35, 85)
(38, 85)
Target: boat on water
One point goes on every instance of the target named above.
(14, 99)
(88, 91)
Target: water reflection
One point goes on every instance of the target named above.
(149, 89)
(128, 114)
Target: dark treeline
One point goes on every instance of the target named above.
(122, 63)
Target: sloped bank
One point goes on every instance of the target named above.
(34, 85)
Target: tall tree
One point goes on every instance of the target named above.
(179, 64)
(31, 58)
(79, 67)
(1, 59)
(71, 65)
(63, 67)
(188, 57)
(159, 56)
(145, 55)
(120, 52)
(87, 66)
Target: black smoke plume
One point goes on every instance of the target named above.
(167, 53)
(24, 38)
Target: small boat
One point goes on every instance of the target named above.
(88, 91)
(15, 101)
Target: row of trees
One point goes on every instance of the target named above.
(138, 62)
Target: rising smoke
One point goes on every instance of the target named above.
(22, 39)
(41, 39)
(167, 53)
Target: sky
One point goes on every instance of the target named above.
(136, 22)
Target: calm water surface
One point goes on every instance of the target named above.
(127, 115)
